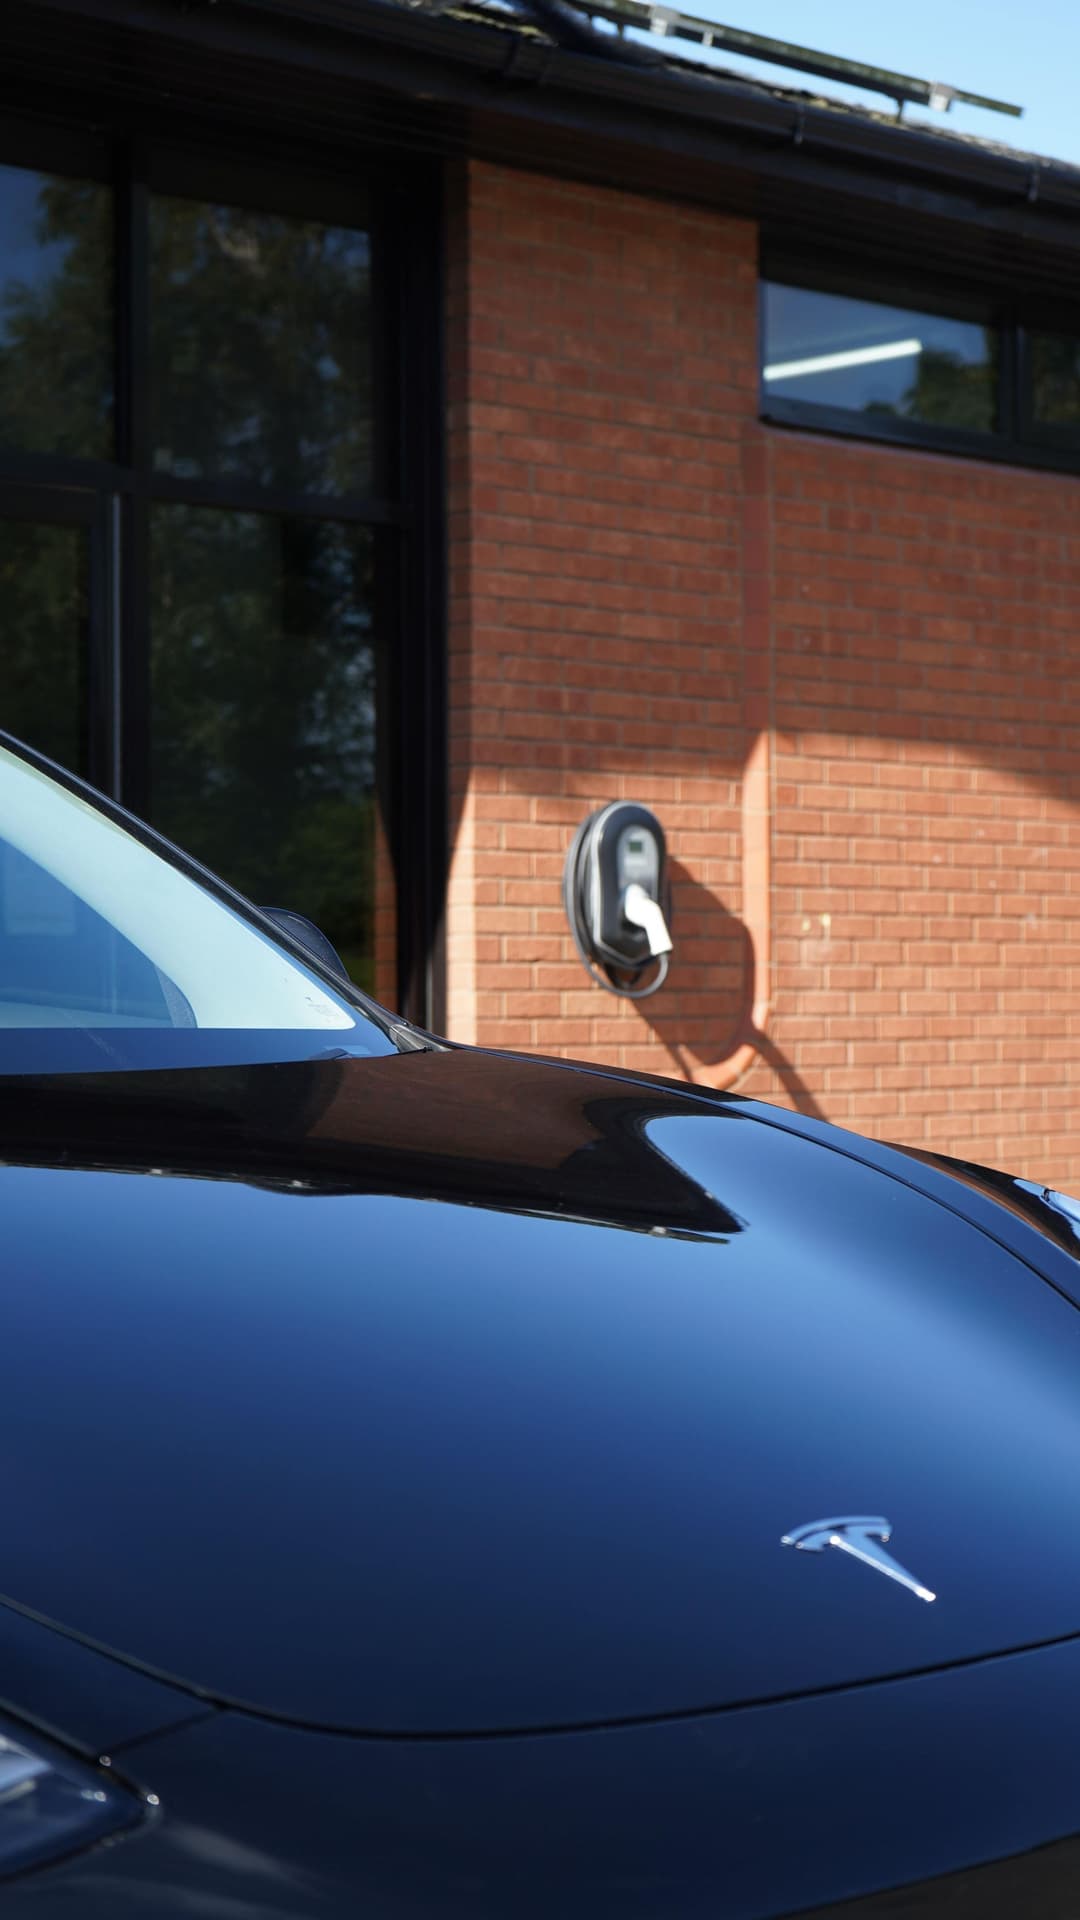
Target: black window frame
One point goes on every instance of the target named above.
(1018, 439)
(400, 204)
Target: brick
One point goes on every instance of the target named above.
(642, 578)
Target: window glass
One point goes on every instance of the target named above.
(100, 931)
(56, 373)
(1055, 379)
(43, 620)
(263, 710)
(62, 964)
(879, 361)
(260, 347)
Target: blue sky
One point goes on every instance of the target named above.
(1026, 54)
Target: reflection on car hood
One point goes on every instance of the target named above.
(455, 1392)
(1055, 1215)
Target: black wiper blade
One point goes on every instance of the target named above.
(410, 1039)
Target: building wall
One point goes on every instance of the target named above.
(602, 442)
(841, 675)
(926, 836)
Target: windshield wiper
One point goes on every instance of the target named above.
(410, 1039)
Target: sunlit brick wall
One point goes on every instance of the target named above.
(603, 382)
(926, 635)
(648, 589)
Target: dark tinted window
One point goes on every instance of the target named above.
(239, 337)
(43, 619)
(260, 347)
(881, 361)
(1055, 379)
(263, 741)
(56, 378)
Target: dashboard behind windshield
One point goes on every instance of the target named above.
(111, 955)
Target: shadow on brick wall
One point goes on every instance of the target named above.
(705, 1014)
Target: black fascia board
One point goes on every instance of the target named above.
(457, 85)
(695, 96)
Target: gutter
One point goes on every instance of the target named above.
(502, 76)
(699, 98)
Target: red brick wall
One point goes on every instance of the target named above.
(926, 834)
(652, 593)
(603, 381)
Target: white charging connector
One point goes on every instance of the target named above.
(614, 881)
(644, 912)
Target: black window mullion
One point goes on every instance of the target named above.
(241, 496)
(18, 469)
(132, 639)
(413, 295)
(385, 347)
(1010, 407)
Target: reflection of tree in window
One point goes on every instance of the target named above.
(260, 347)
(43, 617)
(55, 316)
(264, 709)
(948, 391)
(951, 392)
(1055, 373)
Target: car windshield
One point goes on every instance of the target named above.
(113, 956)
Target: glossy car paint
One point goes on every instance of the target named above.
(399, 1463)
(744, 1814)
(455, 1405)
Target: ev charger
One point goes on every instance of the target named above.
(616, 895)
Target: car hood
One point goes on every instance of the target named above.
(452, 1393)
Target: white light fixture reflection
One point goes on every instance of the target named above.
(854, 357)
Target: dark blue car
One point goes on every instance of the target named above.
(440, 1483)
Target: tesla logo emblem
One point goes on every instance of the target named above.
(864, 1538)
